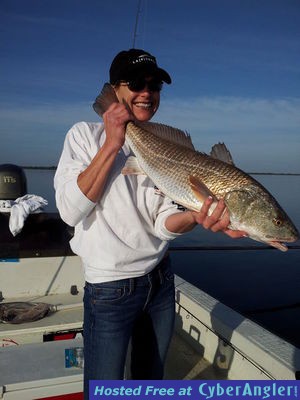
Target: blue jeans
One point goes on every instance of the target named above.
(142, 309)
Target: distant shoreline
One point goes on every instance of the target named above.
(53, 167)
(274, 173)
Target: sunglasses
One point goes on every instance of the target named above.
(137, 85)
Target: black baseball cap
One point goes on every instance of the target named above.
(131, 64)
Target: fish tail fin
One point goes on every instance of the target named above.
(106, 97)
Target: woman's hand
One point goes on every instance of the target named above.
(218, 221)
(92, 180)
(115, 120)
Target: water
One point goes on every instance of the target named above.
(263, 284)
(40, 182)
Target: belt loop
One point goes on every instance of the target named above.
(161, 277)
(131, 285)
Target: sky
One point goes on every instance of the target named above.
(235, 68)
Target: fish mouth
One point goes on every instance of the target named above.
(278, 245)
(281, 243)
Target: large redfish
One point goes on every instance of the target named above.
(167, 156)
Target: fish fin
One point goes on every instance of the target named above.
(106, 97)
(168, 133)
(200, 190)
(220, 152)
(132, 167)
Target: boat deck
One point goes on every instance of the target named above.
(68, 319)
(45, 362)
(185, 363)
(32, 369)
(211, 341)
(27, 361)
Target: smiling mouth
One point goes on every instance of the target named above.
(144, 105)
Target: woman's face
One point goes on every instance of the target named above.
(143, 103)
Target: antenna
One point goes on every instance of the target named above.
(136, 22)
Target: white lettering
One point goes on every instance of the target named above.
(211, 391)
(185, 391)
(201, 389)
(229, 390)
(144, 58)
(159, 391)
(266, 392)
(247, 391)
(98, 391)
(117, 391)
(9, 179)
(220, 390)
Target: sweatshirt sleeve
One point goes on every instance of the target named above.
(167, 207)
(72, 204)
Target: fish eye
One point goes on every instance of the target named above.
(277, 221)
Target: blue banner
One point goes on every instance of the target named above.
(195, 390)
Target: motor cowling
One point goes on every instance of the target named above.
(13, 183)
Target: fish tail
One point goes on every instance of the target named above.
(106, 97)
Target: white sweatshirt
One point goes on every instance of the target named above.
(124, 234)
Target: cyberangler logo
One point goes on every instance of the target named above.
(248, 390)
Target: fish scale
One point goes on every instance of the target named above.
(156, 156)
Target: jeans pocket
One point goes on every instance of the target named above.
(105, 295)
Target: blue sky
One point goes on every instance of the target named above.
(235, 66)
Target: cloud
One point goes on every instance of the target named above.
(33, 134)
(262, 134)
(234, 113)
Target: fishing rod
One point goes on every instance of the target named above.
(136, 22)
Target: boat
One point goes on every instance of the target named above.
(37, 266)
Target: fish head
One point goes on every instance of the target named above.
(256, 212)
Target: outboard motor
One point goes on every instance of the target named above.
(13, 182)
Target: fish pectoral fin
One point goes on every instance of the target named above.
(132, 167)
(200, 190)
(220, 152)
